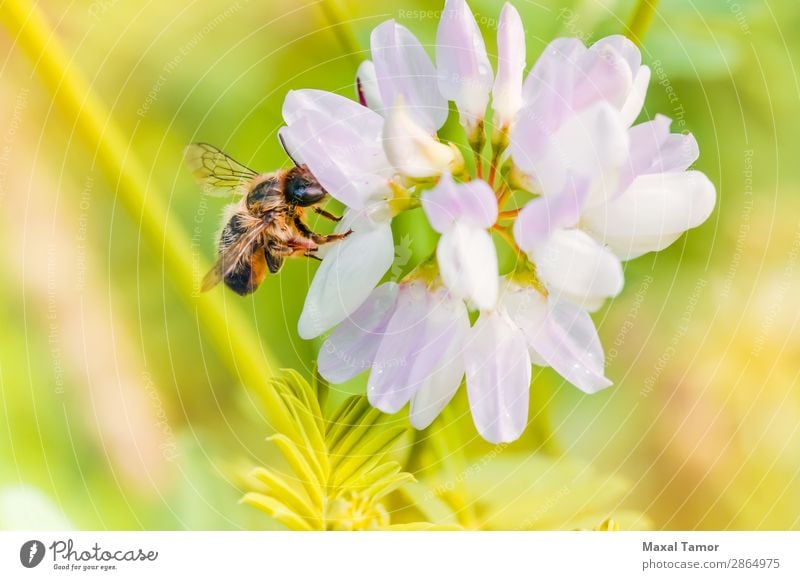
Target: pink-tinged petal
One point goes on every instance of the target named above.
(593, 143)
(473, 202)
(560, 335)
(366, 123)
(547, 93)
(541, 216)
(344, 143)
(603, 76)
(566, 80)
(576, 267)
(389, 386)
(654, 149)
(546, 97)
(468, 264)
(635, 100)
(411, 149)
(579, 326)
(498, 371)
(571, 346)
(348, 273)
(507, 90)
(367, 89)
(351, 347)
(549, 101)
(553, 75)
(646, 141)
(624, 47)
(652, 213)
(465, 74)
(440, 366)
(350, 169)
(404, 69)
(677, 153)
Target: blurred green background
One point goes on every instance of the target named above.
(119, 406)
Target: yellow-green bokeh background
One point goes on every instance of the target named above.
(118, 406)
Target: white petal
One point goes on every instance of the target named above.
(411, 149)
(468, 264)
(351, 347)
(603, 76)
(640, 74)
(652, 213)
(569, 343)
(498, 371)
(352, 170)
(367, 123)
(347, 275)
(507, 90)
(580, 327)
(404, 69)
(572, 264)
(473, 203)
(367, 89)
(633, 104)
(561, 335)
(465, 74)
(543, 215)
(623, 46)
(593, 143)
(389, 386)
(440, 366)
(554, 72)
(546, 101)
(653, 149)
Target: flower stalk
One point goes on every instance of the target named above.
(641, 20)
(340, 25)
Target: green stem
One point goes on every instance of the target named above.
(340, 25)
(230, 332)
(641, 20)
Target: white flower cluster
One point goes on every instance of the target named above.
(599, 190)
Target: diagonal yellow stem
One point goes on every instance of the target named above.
(335, 15)
(641, 20)
(239, 348)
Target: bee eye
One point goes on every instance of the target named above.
(304, 192)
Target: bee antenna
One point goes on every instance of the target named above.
(286, 149)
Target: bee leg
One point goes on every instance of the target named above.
(318, 238)
(274, 254)
(327, 214)
(312, 256)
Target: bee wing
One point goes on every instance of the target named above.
(217, 173)
(231, 257)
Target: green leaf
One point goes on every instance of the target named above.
(340, 465)
(280, 489)
(357, 465)
(387, 485)
(275, 509)
(310, 480)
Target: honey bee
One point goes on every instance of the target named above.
(266, 225)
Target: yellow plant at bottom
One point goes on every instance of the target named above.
(340, 465)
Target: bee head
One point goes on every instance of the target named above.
(302, 188)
